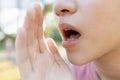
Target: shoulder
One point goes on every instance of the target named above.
(84, 72)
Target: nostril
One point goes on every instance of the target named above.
(61, 8)
(64, 10)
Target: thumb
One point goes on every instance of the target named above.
(53, 48)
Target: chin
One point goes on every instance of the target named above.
(82, 57)
(76, 59)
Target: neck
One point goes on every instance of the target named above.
(108, 66)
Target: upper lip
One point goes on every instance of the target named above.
(64, 27)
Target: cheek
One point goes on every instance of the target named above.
(101, 37)
(100, 23)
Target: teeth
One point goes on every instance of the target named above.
(66, 29)
(70, 39)
(73, 37)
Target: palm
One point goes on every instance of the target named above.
(36, 59)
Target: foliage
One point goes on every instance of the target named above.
(56, 36)
(3, 41)
(47, 9)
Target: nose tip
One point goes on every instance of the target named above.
(62, 7)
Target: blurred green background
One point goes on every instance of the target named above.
(12, 14)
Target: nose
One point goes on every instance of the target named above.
(64, 7)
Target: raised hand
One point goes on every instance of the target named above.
(38, 58)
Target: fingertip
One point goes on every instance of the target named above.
(37, 7)
(50, 41)
(29, 18)
(54, 51)
(39, 14)
(37, 4)
(52, 45)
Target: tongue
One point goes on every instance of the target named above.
(73, 37)
(71, 41)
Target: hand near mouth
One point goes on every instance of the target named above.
(38, 58)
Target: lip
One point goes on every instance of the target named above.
(67, 43)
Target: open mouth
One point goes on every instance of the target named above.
(69, 33)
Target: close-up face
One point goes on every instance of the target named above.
(90, 29)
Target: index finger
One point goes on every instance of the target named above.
(40, 32)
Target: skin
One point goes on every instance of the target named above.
(38, 58)
(98, 23)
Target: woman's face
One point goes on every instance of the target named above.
(90, 28)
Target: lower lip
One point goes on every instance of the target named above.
(69, 43)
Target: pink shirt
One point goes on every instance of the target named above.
(85, 72)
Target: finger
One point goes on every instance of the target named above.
(31, 28)
(54, 51)
(22, 54)
(38, 22)
(39, 19)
